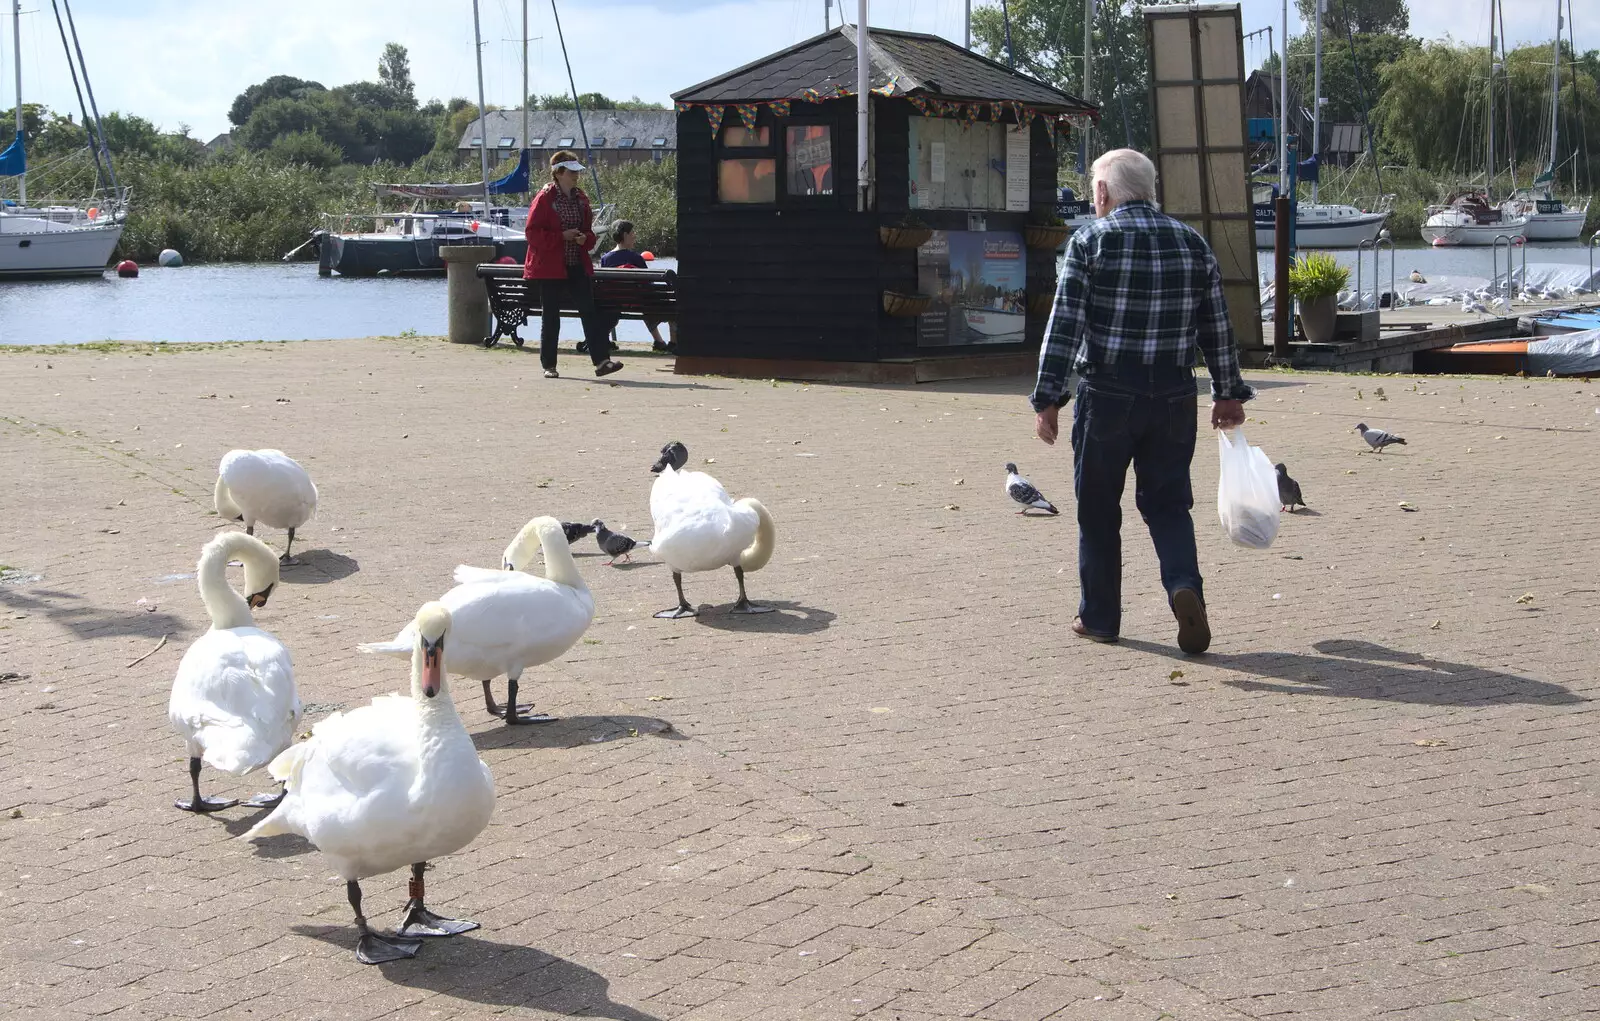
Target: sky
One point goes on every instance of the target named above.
(181, 62)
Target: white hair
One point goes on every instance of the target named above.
(1128, 174)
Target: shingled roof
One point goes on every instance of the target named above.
(914, 61)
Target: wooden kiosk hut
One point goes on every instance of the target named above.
(951, 269)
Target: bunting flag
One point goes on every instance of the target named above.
(714, 117)
(919, 104)
(780, 108)
(967, 112)
(747, 114)
(810, 96)
(995, 113)
(681, 107)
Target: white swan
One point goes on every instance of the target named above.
(507, 621)
(390, 784)
(233, 699)
(699, 528)
(267, 486)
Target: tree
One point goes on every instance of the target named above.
(306, 148)
(1342, 86)
(279, 86)
(394, 72)
(1047, 43)
(1363, 17)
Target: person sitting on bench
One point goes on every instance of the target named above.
(624, 256)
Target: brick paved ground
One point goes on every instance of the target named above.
(910, 795)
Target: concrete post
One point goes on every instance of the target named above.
(466, 297)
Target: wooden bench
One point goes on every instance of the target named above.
(624, 293)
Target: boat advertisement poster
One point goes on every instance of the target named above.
(977, 279)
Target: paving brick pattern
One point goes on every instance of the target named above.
(910, 794)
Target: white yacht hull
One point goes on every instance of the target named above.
(1562, 226)
(991, 323)
(35, 248)
(1472, 235)
(1349, 232)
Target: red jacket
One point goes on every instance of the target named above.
(546, 251)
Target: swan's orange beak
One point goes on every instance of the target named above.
(259, 599)
(432, 656)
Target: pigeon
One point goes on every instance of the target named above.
(1022, 491)
(614, 543)
(575, 530)
(1377, 439)
(1288, 490)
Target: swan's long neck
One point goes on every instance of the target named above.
(760, 551)
(226, 606)
(559, 566)
(438, 715)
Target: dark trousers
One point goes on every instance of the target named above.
(1146, 418)
(577, 290)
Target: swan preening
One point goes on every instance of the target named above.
(390, 784)
(506, 621)
(699, 528)
(233, 699)
(266, 486)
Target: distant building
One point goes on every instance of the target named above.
(1342, 144)
(614, 136)
(222, 143)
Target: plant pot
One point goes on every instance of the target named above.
(904, 237)
(1041, 304)
(1043, 236)
(1318, 317)
(905, 306)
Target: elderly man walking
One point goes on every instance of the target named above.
(1140, 295)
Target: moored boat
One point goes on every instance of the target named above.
(1469, 220)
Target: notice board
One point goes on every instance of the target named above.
(1200, 145)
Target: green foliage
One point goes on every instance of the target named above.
(646, 193)
(1317, 275)
(394, 71)
(590, 100)
(307, 148)
(1364, 17)
(279, 86)
(1047, 43)
(1340, 84)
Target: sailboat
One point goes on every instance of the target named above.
(1548, 218)
(56, 240)
(1470, 218)
(1317, 224)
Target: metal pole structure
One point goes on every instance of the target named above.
(1282, 304)
(1555, 93)
(16, 38)
(99, 131)
(968, 22)
(1316, 101)
(588, 154)
(1488, 180)
(1283, 107)
(88, 125)
(1088, 81)
(863, 108)
(827, 19)
(483, 117)
(524, 139)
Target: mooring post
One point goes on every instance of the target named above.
(465, 295)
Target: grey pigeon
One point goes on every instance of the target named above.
(614, 543)
(1288, 490)
(576, 530)
(1377, 439)
(674, 454)
(1022, 491)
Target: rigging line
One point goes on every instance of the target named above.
(71, 67)
(98, 126)
(1361, 90)
(576, 106)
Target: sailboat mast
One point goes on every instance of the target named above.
(525, 76)
(1316, 100)
(16, 39)
(968, 23)
(1555, 92)
(1088, 78)
(1488, 184)
(1283, 107)
(483, 117)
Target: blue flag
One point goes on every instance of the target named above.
(1309, 169)
(14, 161)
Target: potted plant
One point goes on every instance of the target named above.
(908, 232)
(1315, 281)
(1046, 230)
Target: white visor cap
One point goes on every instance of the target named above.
(572, 165)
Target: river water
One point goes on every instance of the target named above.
(288, 301)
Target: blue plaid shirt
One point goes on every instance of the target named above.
(1143, 288)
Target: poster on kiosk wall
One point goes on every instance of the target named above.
(977, 279)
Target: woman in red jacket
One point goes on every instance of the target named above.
(560, 235)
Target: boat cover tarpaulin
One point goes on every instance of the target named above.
(1572, 354)
(13, 160)
(514, 183)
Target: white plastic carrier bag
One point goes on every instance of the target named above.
(1247, 492)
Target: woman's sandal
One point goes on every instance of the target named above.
(607, 367)
(551, 374)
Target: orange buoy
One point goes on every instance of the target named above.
(127, 268)
(648, 256)
(94, 211)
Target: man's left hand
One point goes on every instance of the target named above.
(1046, 426)
(1227, 414)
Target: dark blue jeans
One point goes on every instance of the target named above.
(1147, 419)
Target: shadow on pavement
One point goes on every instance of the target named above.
(574, 732)
(318, 567)
(483, 971)
(1357, 669)
(86, 621)
(787, 618)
